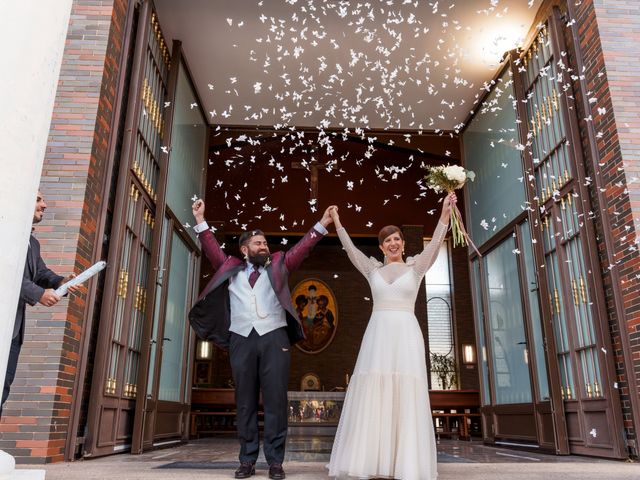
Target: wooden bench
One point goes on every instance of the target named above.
(203, 422)
(456, 413)
(213, 411)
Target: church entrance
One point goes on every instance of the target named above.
(529, 349)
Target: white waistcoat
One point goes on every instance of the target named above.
(256, 307)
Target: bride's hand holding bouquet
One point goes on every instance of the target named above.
(447, 207)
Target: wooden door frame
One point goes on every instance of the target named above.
(126, 180)
(591, 259)
(111, 279)
(517, 409)
(553, 369)
(137, 440)
(183, 406)
(540, 406)
(609, 247)
(587, 243)
(147, 406)
(489, 411)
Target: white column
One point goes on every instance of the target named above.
(34, 33)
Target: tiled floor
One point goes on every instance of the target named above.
(318, 449)
(476, 452)
(307, 457)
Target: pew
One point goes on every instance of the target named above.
(454, 412)
(213, 410)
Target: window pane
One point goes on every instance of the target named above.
(490, 149)
(506, 326)
(157, 308)
(188, 140)
(438, 287)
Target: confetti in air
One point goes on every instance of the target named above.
(333, 87)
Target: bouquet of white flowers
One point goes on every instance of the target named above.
(447, 178)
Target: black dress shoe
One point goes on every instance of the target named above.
(246, 469)
(276, 472)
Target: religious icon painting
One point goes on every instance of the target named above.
(317, 310)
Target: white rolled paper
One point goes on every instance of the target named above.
(83, 277)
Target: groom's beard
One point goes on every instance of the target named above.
(260, 259)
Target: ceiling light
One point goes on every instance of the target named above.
(494, 43)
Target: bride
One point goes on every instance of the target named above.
(385, 429)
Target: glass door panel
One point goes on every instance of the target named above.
(506, 325)
(174, 323)
(534, 311)
(491, 150)
(157, 309)
(483, 362)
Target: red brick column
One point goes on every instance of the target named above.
(609, 39)
(36, 417)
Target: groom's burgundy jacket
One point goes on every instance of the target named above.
(210, 317)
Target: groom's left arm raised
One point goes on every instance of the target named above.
(294, 257)
(210, 245)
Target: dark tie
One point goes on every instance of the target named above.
(253, 276)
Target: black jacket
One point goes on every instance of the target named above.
(37, 277)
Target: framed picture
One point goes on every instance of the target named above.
(202, 374)
(317, 310)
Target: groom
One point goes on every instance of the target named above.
(246, 307)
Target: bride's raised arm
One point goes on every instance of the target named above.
(425, 259)
(363, 263)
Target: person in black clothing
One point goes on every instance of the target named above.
(38, 285)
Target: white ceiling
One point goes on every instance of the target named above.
(371, 64)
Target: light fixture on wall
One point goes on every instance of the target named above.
(468, 354)
(204, 350)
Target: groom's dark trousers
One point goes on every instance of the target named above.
(261, 362)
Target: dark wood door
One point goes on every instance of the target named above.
(573, 406)
(572, 287)
(163, 418)
(163, 404)
(115, 379)
(125, 309)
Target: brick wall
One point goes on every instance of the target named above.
(464, 324)
(609, 39)
(36, 418)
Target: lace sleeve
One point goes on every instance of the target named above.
(424, 260)
(363, 263)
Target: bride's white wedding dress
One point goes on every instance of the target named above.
(385, 429)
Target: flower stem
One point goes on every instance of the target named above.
(459, 239)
